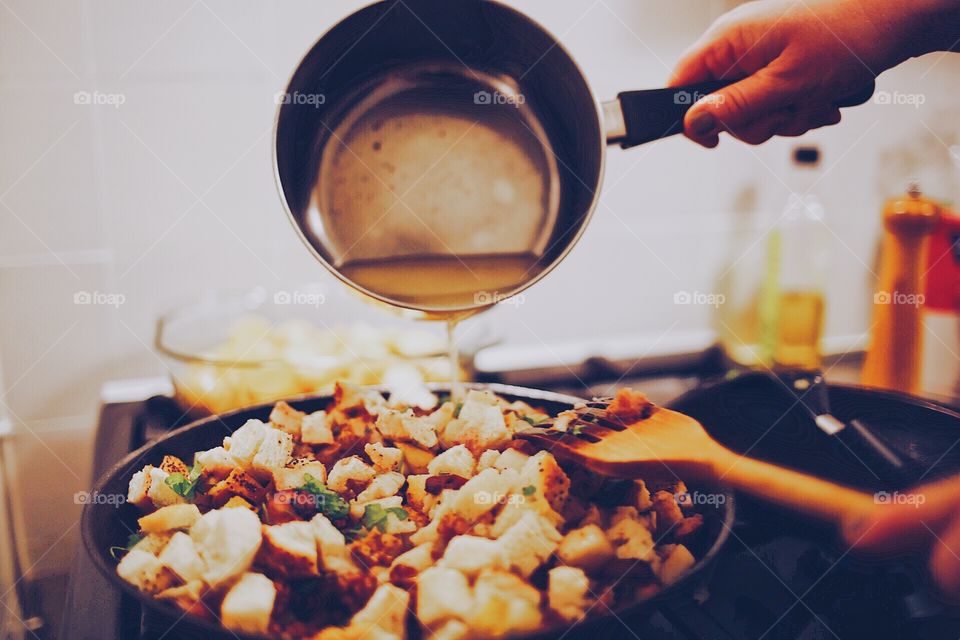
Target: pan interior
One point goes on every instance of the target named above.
(438, 183)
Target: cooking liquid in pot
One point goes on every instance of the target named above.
(437, 193)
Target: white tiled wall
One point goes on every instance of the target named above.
(171, 192)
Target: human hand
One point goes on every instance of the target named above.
(799, 61)
(927, 520)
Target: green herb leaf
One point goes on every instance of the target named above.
(456, 410)
(185, 485)
(532, 420)
(529, 490)
(576, 429)
(117, 552)
(328, 502)
(376, 517)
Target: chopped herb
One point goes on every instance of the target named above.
(328, 502)
(456, 410)
(185, 485)
(529, 490)
(532, 420)
(375, 516)
(354, 533)
(132, 540)
(576, 429)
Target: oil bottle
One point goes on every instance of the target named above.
(792, 300)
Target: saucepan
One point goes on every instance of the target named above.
(107, 525)
(452, 128)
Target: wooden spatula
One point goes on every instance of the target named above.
(664, 443)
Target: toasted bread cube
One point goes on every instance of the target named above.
(238, 483)
(314, 429)
(417, 495)
(529, 543)
(406, 427)
(248, 604)
(384, 458)
(290, 549)
(386, 611)
(352, 468)
(548, 479)
(174, 516)
(286, 418)
(675, 564)
(160, 493)
(567, 589)
(173, 464)
(416, 459)
(245, 442)
(227, 541)
(511, 459)
(632, 539)
(274, 451)
(382, 486)
(216, 461)
(238, 502)
(292, 475)
(190, 592)
(503, 605)
(488, 459)
(450, 630)
(457, 460)
(144, 571)
(442, 594)
(153, 543)
(586, 548)
(418, 558)
(334, 553)
(481, 494)
(138, 489)
(180, 556)
(480, 424)
(471, 554)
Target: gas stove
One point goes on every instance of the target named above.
(778, 576)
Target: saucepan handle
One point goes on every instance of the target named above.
(636, 117)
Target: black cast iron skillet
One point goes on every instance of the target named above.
(104, 525)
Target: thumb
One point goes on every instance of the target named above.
(736, 107)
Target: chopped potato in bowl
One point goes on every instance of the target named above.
(375, 516)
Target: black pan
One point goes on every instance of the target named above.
(104, 525)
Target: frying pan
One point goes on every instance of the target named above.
(104, 525)
(479, 58)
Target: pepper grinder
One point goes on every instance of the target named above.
(896, 348)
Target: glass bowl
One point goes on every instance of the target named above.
(230, 350)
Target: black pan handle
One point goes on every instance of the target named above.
(652, 114)
(892, 469)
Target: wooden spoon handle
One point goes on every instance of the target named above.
(797, 491)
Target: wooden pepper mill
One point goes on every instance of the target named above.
(896, 349)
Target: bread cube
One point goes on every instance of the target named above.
(314, 429)
(290, 549)
(529, 543)
(216, 461)
(457, 460)
(286, 418)
(180, 556)
(675, 564)
(382, 486)
(511, 459)
(160, 493)
(384, 458)
(174, 516)
(227, 541)
(442, 594)
(138, 488)
(248, 605)
(274, 451)
(450, 630)
(386, 610)
(586, 548)
(418, 558)
(292, 475)
(567, 589)
(144, 571)
(244, 443)
(471, 554)
(352, 468)
(488, 459)
(503, 605)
